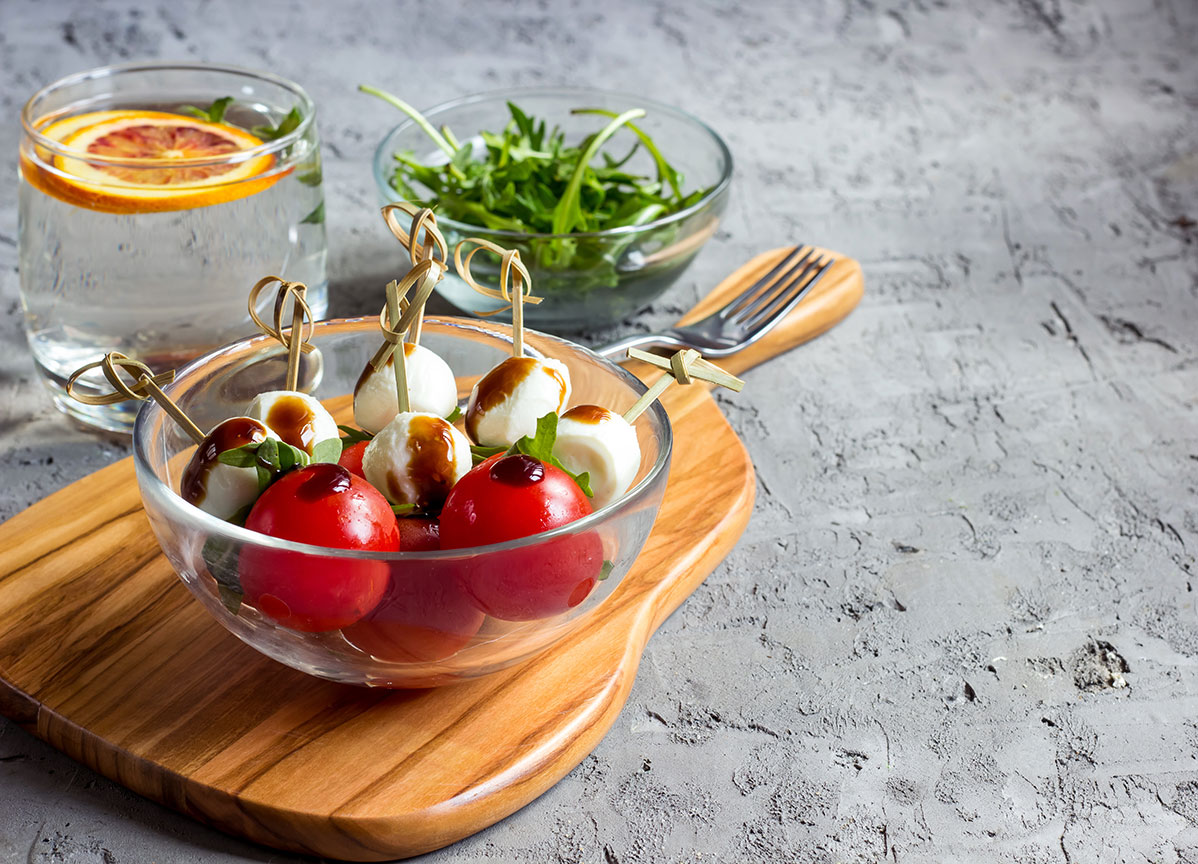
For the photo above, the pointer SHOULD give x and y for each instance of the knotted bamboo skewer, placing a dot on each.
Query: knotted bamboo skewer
(515, 284)
(682, 367)
(146, 386)
(295, 338)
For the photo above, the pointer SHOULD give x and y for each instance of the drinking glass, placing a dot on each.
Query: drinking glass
(126, 245)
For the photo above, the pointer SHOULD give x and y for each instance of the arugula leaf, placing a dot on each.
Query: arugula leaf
(455, 415)
(328, 450)
(214, 113)
(352, 436)
(540, 446)
(525, 178)
(287, 125)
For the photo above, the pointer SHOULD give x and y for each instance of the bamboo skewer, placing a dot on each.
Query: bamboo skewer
(515, 284)
(146, 386)
(682, 367)
(295, 338)
(402, 319)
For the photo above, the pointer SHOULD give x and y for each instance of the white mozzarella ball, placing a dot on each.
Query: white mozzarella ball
(603, 444)
(297, 418)
(432, 389)
(506, 403)
(416, 459)
(215, 487)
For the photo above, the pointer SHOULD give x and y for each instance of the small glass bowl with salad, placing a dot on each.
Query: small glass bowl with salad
(607, 196)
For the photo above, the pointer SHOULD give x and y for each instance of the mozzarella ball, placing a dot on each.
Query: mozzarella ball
(432, 389)
(603, 444)
(296, 418)
(506, 403)
(416, 459)
(215, 487)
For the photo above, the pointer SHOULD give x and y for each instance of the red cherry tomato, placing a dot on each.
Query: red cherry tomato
(425, 615)
(351, 458)
(418, 534)
(323, 505)
(508, 497)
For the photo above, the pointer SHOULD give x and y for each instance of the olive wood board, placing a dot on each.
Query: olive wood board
(105, 655)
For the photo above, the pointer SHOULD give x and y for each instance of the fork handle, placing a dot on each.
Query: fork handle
(618, 350)
(829, 303)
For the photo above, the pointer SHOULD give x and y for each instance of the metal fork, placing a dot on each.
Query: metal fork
(745, 319)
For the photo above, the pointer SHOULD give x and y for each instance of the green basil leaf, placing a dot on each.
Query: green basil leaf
(540, 446)
(220, 557)
(455, 415)
(268, 454)
(605, 570)
(241, 515)
(583, 480)
(352, 436)
(288, 124)
(240, 457)
(328, 450)
(315, 217)
(265, 476)
(230, 598)
(403, 509)
(479, 453)
(214, 113)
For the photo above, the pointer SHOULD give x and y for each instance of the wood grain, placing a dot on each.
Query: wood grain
(105, 655)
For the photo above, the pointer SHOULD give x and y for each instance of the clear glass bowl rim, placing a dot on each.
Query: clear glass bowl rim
(267, 148)
(382, 158)
(181, 511)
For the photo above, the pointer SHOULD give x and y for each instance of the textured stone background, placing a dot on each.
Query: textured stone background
(960, 626)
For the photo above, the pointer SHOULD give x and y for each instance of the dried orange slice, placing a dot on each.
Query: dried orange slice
(188, 163)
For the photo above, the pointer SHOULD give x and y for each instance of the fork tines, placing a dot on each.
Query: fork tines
(776, 293)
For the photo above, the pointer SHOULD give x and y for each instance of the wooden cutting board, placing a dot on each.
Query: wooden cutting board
(105, 655)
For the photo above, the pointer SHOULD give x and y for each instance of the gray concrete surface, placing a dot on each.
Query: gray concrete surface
(961, 624)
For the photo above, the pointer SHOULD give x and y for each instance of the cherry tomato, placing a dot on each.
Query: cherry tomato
(425, 615)
(419, 534)
(351, 458)
(324, 505)
(508, 497)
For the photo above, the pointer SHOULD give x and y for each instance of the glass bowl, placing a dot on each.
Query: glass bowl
(430, 626)
(612, 273)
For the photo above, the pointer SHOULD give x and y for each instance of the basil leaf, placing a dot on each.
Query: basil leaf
(268, 454)
(455, 415)
(403, 509)
(214, 113)
(288, 124)
(241, 457)
(230, 598)
(315, 217)
(605, 570)
(328, 450)
(353, 436)
(220, 557)
(540, 446)
(479, 453)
